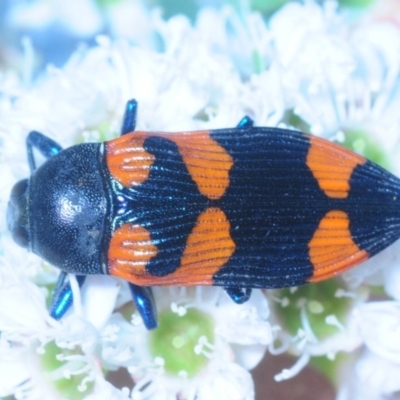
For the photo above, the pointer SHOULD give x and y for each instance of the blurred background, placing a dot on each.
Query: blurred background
(57, 28)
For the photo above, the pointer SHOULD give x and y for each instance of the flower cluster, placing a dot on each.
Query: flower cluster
(306, 67)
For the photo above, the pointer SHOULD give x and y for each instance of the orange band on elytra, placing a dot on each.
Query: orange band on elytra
(207, 162)
(129, 251)
(127, 161)
(209, 246)
(332, 249)
(332, 166)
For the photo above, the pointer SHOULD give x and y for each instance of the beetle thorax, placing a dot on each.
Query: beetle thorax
(68, 205)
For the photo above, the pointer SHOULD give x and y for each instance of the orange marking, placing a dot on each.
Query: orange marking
(208, 248)
(130, 250)
(332, 166)
(332, 249)
(208, 163)
(127, 161)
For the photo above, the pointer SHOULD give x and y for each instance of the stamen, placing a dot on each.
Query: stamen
(136, 319)
(82, 387)
(294, 370)
(201, 344)
(332, 320)
(340, 293)
(305, 322)
(181, 310)
(284, 301)
(110, 333)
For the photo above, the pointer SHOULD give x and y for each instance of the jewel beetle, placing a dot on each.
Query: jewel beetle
(241, 208)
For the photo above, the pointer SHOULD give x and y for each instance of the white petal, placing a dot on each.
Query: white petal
(245, 323)
(380, 328)
(98, 295)
(13, 369)
(371, 270)
(22, 308)
(249, 356)
(369, 378)
(230, 383)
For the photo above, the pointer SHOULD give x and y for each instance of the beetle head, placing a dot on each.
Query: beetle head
(17, 213)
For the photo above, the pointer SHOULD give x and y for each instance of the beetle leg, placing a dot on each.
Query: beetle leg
(129, 121)
(238, 295)
(246, 122)
(144, 301)
(47, 147)
(62, 296)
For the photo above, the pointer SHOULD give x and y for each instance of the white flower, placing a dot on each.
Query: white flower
(236, 330)
(335, 75)
(343, 82)
(38, 353)
(316, 321)
(85, 101)
(307, 63)
(375, 374)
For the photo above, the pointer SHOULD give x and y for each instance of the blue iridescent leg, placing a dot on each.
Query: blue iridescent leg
(238, 295)
(129, 121)
(144, 301)
(62, 296)
(47, 147)
(246, 122)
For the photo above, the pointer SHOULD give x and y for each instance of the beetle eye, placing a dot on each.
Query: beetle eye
(17, 214)
(19, 188)
(20, 237)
